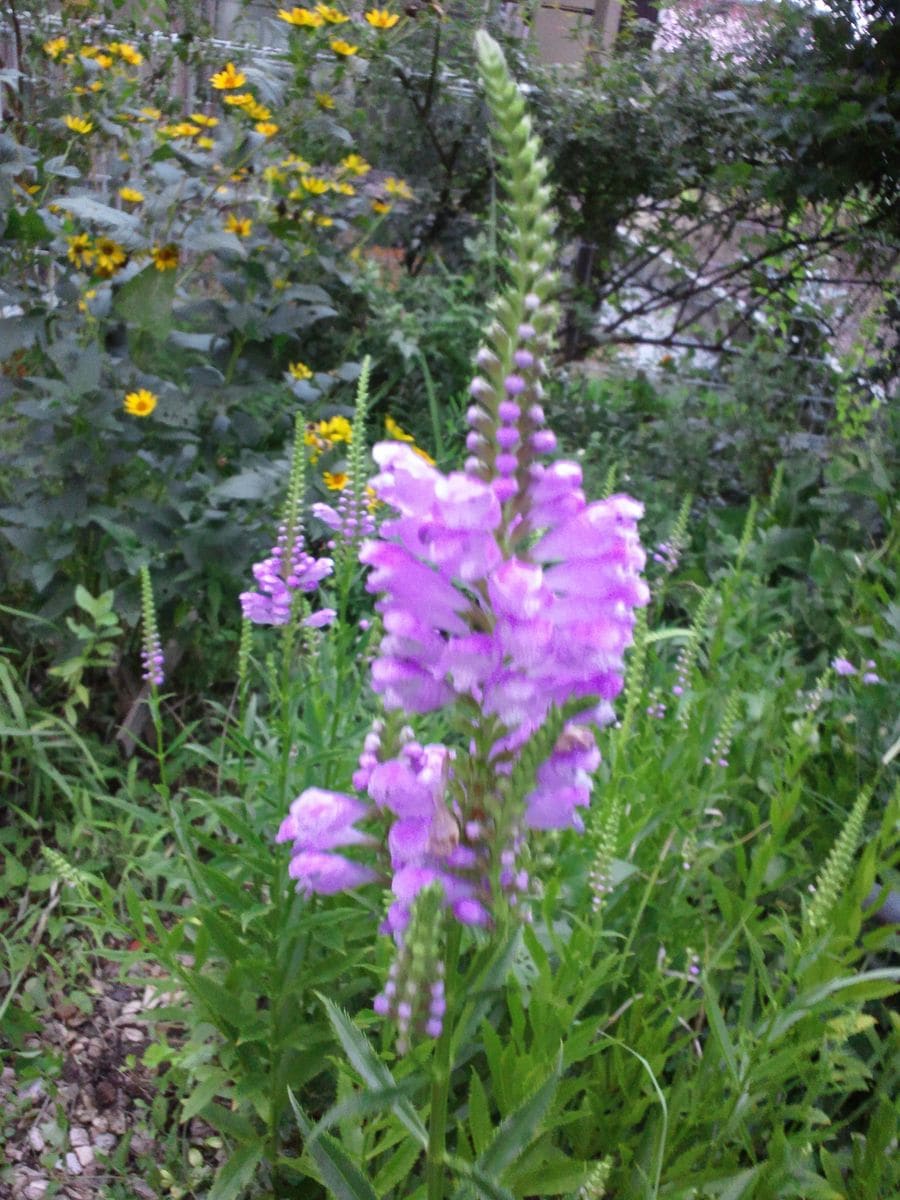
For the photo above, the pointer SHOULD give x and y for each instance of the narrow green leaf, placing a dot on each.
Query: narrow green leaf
(370, 1068)
(342, 1177)
(720, 1031)
(215, 1084)
(476, 1183)
(361, 1105)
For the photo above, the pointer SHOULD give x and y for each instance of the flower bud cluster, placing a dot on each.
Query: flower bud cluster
(718, 752)
(152, 659)
(414, 994)
(351, 518)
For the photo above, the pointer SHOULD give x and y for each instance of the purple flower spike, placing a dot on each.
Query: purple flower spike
(514, 385)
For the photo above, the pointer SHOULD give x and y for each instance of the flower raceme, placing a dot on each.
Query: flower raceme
(507, 601)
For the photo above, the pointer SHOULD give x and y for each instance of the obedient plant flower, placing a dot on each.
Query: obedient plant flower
(290, 571)
(152, 659)
(507, 601)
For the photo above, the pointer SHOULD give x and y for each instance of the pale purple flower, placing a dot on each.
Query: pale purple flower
(319, 821)
(153, 661)
(279, 579)
(843, 666)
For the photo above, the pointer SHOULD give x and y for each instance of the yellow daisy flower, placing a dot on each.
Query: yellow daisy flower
(395, 431)
(344, 189)
(397, 187)
(229, 77)
(381, 207)
(335, 481)
(301, 17)
(103, 60)
(342, 48)
(182, 129)
(90, 294)
(400, 435)
(324, 100)
(333, 16)
(140, 403)
(78, 124)
(126, 52)
(241, 226)
(266, 128)
(165, 258)
(336, 429)
(241, 100)
(295, 163)
(299, 370)
(110, 256)
(204, 121)
(131, 195)
(380, 18)
(55, 46)
(79, 252)
(314, 185)
(356, 165)
(204, 143)
(150, 114)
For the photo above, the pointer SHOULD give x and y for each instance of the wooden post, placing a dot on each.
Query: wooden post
(605, 26)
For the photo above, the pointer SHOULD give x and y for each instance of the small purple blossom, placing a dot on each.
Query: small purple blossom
(280, 576)
(843, 666)
(153, 662)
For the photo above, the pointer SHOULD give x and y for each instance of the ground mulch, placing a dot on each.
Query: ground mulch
(74, 1132)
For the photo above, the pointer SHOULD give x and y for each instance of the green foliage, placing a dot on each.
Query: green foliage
(678, 1018)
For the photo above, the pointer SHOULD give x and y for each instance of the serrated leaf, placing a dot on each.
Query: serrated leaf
(339, 1174)
(370, 1068)
(518, 1129)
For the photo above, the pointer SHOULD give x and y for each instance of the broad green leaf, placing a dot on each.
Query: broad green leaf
(101, 214)
(340, 1175)
(145, 302)
(27, 227)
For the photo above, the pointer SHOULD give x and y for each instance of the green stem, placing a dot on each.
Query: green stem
(442, 1066)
